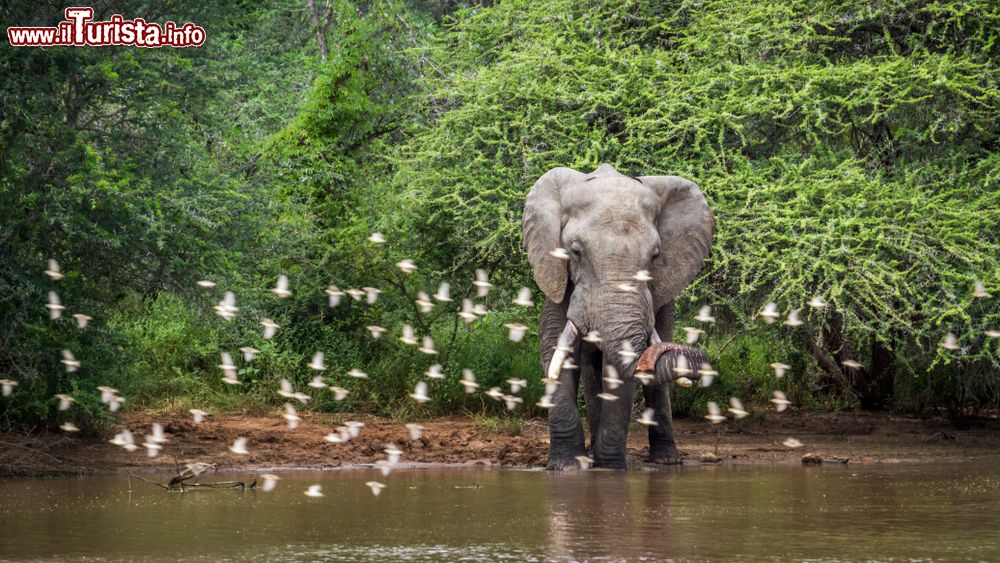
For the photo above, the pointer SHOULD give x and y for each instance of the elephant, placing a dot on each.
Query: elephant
(587, 236)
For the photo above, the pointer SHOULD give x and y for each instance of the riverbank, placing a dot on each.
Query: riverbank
(857, 437)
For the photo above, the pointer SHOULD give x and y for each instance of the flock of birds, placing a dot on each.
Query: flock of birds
(469, 312)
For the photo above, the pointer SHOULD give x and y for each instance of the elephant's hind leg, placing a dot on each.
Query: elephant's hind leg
(662, 448)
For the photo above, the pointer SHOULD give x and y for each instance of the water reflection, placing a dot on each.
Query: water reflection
(724, 513)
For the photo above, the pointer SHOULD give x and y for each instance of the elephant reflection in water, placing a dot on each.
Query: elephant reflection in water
(629, 246)
(598, 514)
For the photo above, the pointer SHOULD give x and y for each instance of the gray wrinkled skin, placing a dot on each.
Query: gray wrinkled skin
(612, 226)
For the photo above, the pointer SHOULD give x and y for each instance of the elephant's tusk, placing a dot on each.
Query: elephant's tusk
(565, 346)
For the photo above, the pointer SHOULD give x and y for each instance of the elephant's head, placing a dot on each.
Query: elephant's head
(613, 226)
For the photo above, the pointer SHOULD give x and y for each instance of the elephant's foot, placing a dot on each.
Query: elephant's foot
(610, 461)
(665, 455)
(563, 463)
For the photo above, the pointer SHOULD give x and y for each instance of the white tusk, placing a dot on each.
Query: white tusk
(566, 345)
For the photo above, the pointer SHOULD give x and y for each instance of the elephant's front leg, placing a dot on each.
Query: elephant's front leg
(662, 448)
(565, 425)
(592, 374)
(612, 434)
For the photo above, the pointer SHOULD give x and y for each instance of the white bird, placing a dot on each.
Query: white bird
(107, 393)
(340, 437)
(317, 382)
(569, 364)
(357, 374)
(443, 292)
(156, 434)
(376, 238)
(70, 361)
(376, 487)
(644, 377)
(125, 440)
(792, 443)
(115, 403)
(434, 372)
(7, 386)
(314, 491)
(584, 461)
(516, 331)
(793, 318)
(769, 313)
(207, 284)
(482, 283)
(281, 288)
(229, 369)
(684, 382)
(408, 337)
(227, 308)
(335, 294)
(416, 431)
(817, 302)
(647, 418)
(852, 364)
(469, 380)
(950, 342)
(626, 353)
(707, 374)
(317, 362)
(593, 337)
(629, 287)
(980, 290)
(270, 482)
(285, 388)
(292, 416)
(516, 384)
(468, 312)
(356, 294)
(239, 446)
(495, 393)
(354, 428)
(54, 306)
(511, 401)
(560, 253)
(693, 334)
(376, 331)
(339, 393)
(479, 309)
(524, 298)
(545, 402)
(393, 453)
(384, 467)
(407, 266)
(736, 407)
(420, 392)
(69, 427)
(65, 401)
(82, 320)
(705, 315)
(780, 401)
(199, 415)
(780, 369)
(428, 346)
(714, 415)
(611, 377)
(249, 353)
(424, 302)
(681, 366)
(642, 276)
(607, 396)
(992, 333)
(53, 271)
(371, 294)
(270, 328)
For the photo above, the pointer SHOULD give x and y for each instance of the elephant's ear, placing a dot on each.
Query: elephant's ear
(541, 228)
(686, 227)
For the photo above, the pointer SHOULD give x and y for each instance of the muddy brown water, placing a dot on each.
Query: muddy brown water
(880, 512)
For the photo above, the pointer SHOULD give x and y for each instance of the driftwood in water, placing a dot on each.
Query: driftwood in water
(179, 482)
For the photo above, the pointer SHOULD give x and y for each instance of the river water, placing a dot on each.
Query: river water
(883, 512)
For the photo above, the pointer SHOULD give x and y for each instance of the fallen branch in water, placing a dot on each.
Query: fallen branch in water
(179, 482)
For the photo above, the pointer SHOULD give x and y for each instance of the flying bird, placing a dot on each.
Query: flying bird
(317, 362)
(443, 293)
(69, 427)
(434, 372)
(54, 306)
(516, 384)
(511, 401)
(376, 238)
(356, 294)
(317, 382)
(647, 418)
(482, 283)
(611, 377)
(424, 302)
(239, 446)
(681, 366)
(980, 290)
(793, 318)
(376, 487)
(314, 491)
(357, 374)
(607, 396)
(817, 302)
(249, 353)
(199, 415)
(70, 361)
(626, 353)
(468, 311)
(270, 328)
(545, 402)
(270, 482)
(950, 342)
(707, 374)
(292, 416)
(408, 337)
(281, 288)
(376, 331)
(495, 393)
(593, 337)
(335, 294)
(851, 364)
(82, 320)
(415, 430)
(584, 461)
(393, 453)
(769, 313)
(428, 346)
(736, 407)
(714, 415)
(207, 284)
(693, 334)
(469, 380)
(684, 382)
(516, 331)
(642, 276)
(228, 369)
(780, 369)
(53, 271)
(65, 401)
(7, 386)
(406, 266)
(227, 308)
(339, 393)
(524, 298)
(792, 443)
(371, 294)
(780, 401)
(559, 253)
(420, 393)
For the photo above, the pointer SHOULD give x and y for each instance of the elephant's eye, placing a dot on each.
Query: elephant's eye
(575, 247)
(656, 252)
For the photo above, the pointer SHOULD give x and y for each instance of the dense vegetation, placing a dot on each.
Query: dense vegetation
(849, 150)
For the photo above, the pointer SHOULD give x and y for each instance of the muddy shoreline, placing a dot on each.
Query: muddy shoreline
(857, 437)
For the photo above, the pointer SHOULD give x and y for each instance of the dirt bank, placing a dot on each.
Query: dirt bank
(859, 437)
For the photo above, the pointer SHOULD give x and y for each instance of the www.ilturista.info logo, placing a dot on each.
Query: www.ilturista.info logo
(78, 30)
